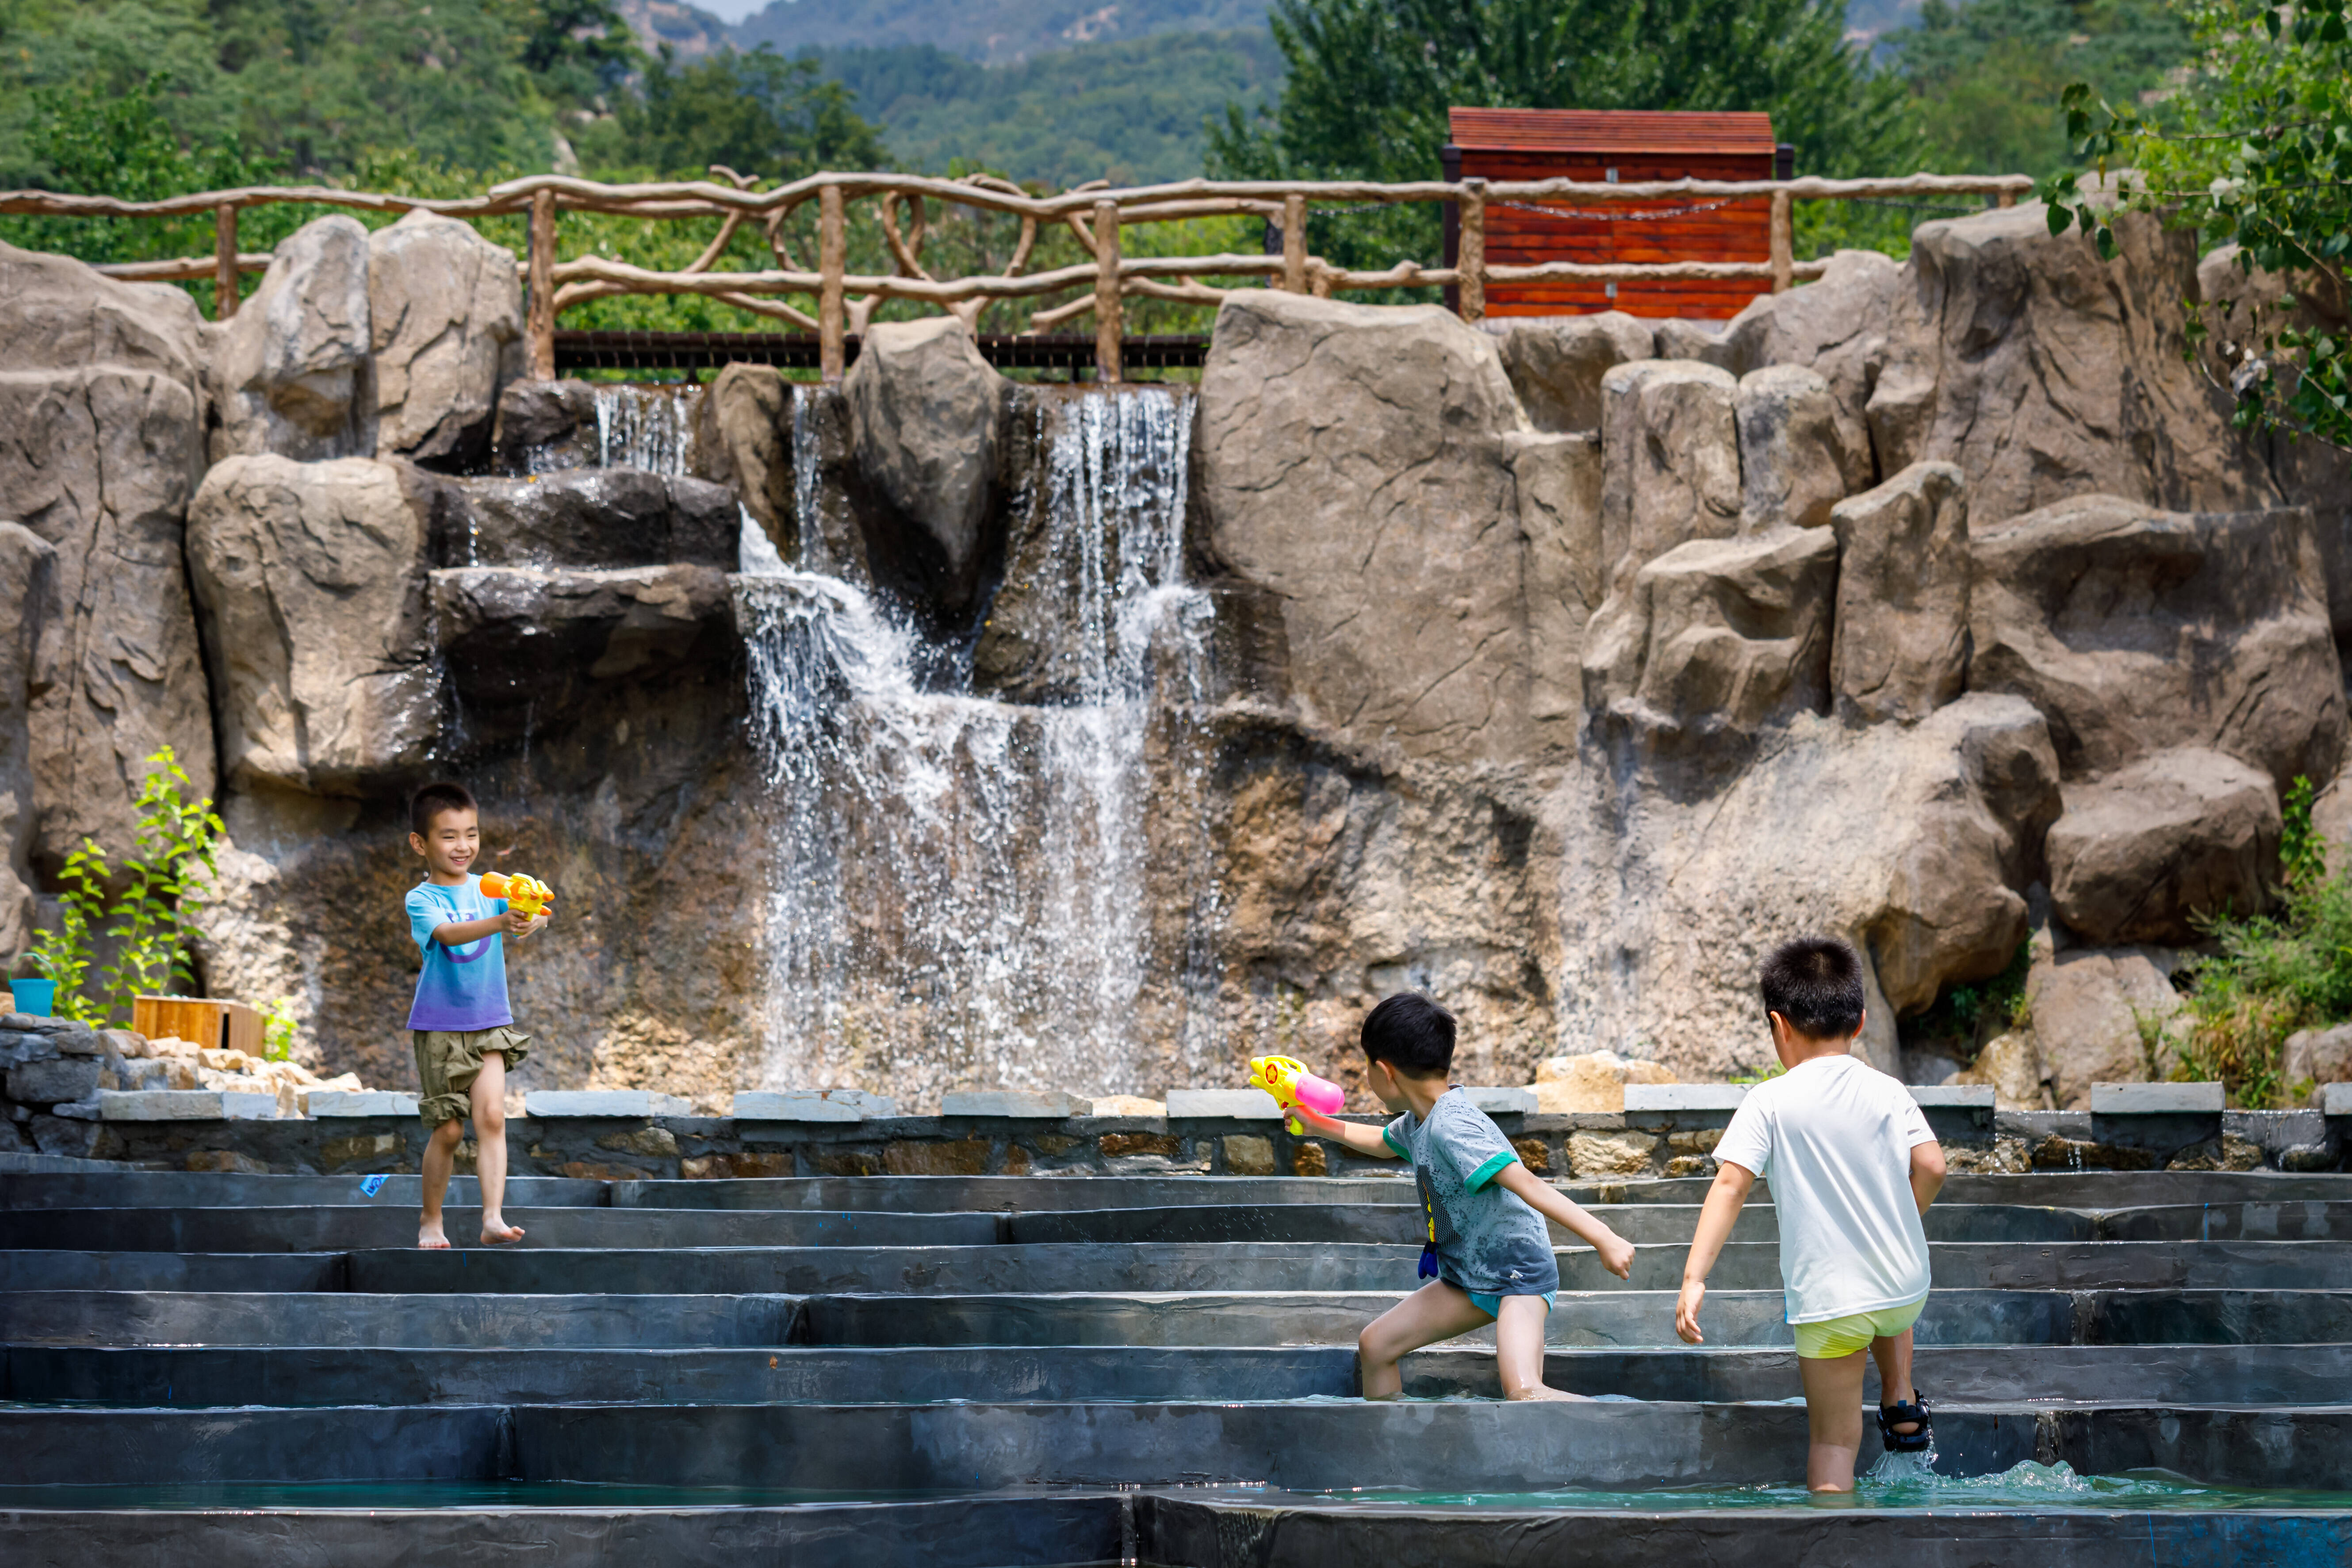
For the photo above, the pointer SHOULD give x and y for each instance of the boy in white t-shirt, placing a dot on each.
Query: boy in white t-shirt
(1852, 1168)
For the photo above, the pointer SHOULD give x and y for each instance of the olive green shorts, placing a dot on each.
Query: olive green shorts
(449, 1060)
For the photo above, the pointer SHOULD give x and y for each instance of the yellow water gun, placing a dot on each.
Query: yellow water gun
(1292, 1086)
(525, 894)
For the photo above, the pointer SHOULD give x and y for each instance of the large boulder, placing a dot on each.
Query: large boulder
(1714, 641)
(1792, 464)
(743, 432)
(1902, 646)
(29, 627)
(2099, 1017)
(312, 578)
(1555, 364)
(1352, 465)
(1913, 841)
(2136, 631)
(925, 412)
(444, 309)
(1835, 326)
(2317, 1056)
(1669, 460)
(1557, 477)
(2143, 852)
(585, 517)
(101, 444)
(292, 369)
(1591, 1083)
(2045, 372)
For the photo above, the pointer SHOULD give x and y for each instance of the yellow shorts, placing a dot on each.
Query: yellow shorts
(1838, 1337)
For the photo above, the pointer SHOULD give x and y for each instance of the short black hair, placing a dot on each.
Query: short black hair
(1412, 1034)
(446, 794)
(1815, 983)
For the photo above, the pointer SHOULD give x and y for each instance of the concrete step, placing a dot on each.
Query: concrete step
(124, 1187)
(1443, 1446)
(2058, 1376)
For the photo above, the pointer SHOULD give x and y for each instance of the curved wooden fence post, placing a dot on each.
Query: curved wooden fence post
(1471, 258)
(540, 327)
(1294, 244)
(1107, 325)
(1784, 243)
(832, 263)
(225, 284)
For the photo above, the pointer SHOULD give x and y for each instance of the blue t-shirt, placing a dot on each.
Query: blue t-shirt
(1487, 1241)
(463, 988)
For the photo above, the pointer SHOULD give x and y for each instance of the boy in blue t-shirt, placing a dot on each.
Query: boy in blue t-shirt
(460, 1026)
(1483, 1212)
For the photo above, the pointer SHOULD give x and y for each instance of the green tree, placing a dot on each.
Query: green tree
(757, 114)
(1371, 81)
(2259, 155)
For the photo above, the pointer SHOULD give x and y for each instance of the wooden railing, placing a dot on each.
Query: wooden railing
(1094, 215)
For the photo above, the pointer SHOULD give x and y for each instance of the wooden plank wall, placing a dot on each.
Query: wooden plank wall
(1741, 231)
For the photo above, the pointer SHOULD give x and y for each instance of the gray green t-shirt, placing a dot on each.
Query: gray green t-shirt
(1487, 1241)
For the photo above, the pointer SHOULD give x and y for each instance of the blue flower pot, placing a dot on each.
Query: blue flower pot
(35, 996)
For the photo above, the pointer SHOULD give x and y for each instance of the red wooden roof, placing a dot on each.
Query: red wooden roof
(1609, 131)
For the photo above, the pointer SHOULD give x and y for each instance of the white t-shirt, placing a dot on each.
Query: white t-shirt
(1834, 1139)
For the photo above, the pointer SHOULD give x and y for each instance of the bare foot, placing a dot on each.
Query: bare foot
(496, 1230)
(1542, 1392)
(429, 1237)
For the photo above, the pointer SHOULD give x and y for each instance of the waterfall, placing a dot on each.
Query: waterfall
(966, 891)
(648, 427)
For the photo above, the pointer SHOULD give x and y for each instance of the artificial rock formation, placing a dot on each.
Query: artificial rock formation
(2136, 630)
(1793, 465)
(1670, 460)
(924, 411)
(2098, 1015)
(101, 444)
(2141, 854)
(1555, 364)
(29, 627)
(292, 367)
(312, 579)
(607, 517)
(1902, 647)
(444, 313)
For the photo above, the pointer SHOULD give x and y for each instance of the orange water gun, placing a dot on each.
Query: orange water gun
(1292, 1086)
(525, 894)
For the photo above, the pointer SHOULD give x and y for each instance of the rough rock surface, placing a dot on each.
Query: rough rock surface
(1902, 643)
(585, 517)
(445, 308)
(743, 429)
(1909, 839)
(2096, 1013)
(2012, 1067)
(925, 412)
(2141, 853)
(2320, 1055)
(2136, 630)
(1714, 641)
(1559, 481)
(292, 368)
(1352, 465)
(1836, 326)
(1793, 465)
(1556, 364)
(1593, 1081)
(101, 444)
(1670, 460)
(30, 625)
(310, 578)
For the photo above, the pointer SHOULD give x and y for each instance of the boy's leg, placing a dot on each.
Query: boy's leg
(440, 1155)
(1519, 1348)
(488, 1095)
(1893, 1354)
(1833, 1414)
(1435, 1312)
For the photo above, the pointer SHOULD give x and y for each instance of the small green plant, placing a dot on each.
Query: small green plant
(146, 908)
(2303, 851)
(279, 1025)
(1760, 1075)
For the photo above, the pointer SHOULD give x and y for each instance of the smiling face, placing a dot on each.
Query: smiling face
(450, 845)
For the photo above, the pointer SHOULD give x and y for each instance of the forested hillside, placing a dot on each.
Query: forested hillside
(991, 32)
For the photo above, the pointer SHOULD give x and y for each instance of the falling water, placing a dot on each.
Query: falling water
(964, 889)
(646, 427)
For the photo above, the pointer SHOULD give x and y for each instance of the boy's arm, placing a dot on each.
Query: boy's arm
(1616, 1252)
(458, 934)
(1724, 1201)
(1927, 1172)
(1363, 1140)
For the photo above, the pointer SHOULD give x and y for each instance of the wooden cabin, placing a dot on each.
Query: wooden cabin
(1614, 146)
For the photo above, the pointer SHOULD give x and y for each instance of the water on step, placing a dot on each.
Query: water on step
(648, 427)
(971, 891)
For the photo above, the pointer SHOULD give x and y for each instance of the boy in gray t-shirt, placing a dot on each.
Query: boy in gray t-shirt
(1485, 1252)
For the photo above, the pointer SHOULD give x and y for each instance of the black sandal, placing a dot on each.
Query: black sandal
(1912, 1412)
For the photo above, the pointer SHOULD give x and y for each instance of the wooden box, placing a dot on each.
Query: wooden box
(1618, 147)
(230, 1026)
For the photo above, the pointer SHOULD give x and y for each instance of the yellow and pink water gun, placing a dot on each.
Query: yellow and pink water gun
(525, 894)
(1292, 1086)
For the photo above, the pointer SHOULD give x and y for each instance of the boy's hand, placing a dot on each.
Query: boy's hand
(516, 925)
(1616, 1255)
(1686, 1312)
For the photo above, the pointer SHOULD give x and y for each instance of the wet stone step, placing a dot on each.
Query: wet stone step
(341, 1317)
(1449, 1446)
(64, 1270)
(2051, 1376)
(191, 1189)
(317, 1229)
